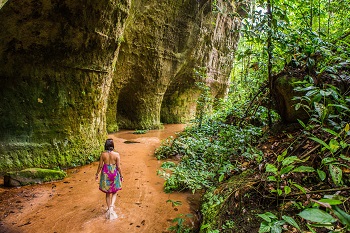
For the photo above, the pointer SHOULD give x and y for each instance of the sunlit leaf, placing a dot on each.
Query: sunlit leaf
(221, 178)
(271, 168)
(301, 188)
(316, 215)
(320, 141)
(304, 169)
(289, 160)
(291, 221)
(333, 145)
(287, 169)
(347, 127)
(336, 174)
(328, 160)
(331, 201)
(287, 190)
(331, 131)
(267, 216)
(321, 174)
(264, 227)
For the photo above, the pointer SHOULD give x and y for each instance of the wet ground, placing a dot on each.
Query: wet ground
(76, 205)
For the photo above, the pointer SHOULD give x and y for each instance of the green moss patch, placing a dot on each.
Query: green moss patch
(32, 176)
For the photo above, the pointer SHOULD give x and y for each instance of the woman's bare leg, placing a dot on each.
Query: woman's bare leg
(108, 200)
(114, 197)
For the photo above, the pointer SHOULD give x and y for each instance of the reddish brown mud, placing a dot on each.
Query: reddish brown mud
(76, 205)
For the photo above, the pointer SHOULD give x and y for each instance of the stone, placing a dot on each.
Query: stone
(285, 105)
(32, 176)
(72, 71)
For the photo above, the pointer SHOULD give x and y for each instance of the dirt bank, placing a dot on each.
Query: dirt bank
(76, 205)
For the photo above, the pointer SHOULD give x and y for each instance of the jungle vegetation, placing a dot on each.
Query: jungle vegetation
(258, 172)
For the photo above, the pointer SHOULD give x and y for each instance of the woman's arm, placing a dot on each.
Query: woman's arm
(99, 167)
(118, 166)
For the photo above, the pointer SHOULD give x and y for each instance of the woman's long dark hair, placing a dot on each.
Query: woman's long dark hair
(109, 145)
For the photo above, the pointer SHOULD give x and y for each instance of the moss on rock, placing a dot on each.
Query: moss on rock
(32, 176)
(284, 93)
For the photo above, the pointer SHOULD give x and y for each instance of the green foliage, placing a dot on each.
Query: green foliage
(317, 217)
(180, 226)
(326, 105)
(140, 131)
(174, 203)
(270, 223)
(207, 154)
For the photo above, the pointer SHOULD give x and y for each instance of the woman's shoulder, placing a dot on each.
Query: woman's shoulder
(115, 153)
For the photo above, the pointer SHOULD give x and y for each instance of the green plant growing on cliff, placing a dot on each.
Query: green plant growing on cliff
(204, 100)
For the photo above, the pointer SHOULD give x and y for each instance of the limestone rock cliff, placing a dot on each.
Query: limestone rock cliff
(163, 43)
(71, 69)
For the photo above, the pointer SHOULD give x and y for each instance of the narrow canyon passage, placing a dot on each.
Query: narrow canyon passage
(76, 205)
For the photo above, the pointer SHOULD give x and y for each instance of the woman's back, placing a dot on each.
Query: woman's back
(110, 157)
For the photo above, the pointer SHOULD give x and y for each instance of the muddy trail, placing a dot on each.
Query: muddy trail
(76, 205)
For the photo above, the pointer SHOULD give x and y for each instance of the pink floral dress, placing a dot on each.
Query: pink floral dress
(110, 179)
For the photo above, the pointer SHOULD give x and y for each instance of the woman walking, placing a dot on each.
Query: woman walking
(110, 177)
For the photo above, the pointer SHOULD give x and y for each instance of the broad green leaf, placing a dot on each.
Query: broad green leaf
(321, 174)
(320, 109)
(317, 216)
(279, 192)
(289, 160)
(344, 157)
(271, 168)
(320, 141)
(276, 228)
(301, 123)
(304, 169)
(343, 216)
(336, 174)
(339, 106)
(301, 188)
(271, 215)
(281, 156)
(287, 190)
(271, 178)
(264, 227)
(325, 93)
(331, 201)
(291, 221)
(267, 216)
(343, 144)
(221, 178)
(331, 131)
(333, 145)
(328, 160)
(287, 169)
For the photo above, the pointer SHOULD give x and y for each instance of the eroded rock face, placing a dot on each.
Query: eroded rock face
(56, 59)
(162, 45)
(62, 62)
